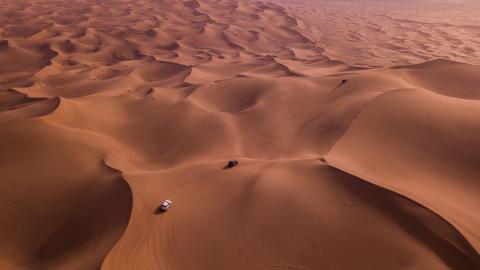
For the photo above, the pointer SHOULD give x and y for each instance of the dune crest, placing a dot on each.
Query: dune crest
(109, 107)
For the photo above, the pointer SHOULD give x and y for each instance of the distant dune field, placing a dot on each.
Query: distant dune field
(107, 108)
(376, 33)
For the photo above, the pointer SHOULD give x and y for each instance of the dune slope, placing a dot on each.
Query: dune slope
(109, 107)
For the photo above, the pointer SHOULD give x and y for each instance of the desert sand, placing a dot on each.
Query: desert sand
(109, 107)
(378, 33)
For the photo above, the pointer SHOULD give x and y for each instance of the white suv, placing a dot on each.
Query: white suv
(165, 205)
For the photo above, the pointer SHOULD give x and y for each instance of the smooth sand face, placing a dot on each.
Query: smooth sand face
(109, 107)
(374, 33)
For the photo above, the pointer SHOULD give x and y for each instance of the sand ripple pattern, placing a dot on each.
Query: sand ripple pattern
(384, 33)
(109, 107)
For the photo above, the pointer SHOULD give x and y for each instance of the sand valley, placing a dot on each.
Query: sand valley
(357, 135)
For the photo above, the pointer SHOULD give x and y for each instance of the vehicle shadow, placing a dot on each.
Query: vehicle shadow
(342, 82)
(158, 211)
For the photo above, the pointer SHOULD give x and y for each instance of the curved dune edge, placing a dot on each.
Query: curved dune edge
(272, 186)
(412, 107)
(453, 243)
(106, 113)
(65, 210)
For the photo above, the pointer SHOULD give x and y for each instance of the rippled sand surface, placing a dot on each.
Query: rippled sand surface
(380, 33)
(107, 108)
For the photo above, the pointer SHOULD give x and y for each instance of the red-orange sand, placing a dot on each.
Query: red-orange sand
(377, 33)
(109, 107)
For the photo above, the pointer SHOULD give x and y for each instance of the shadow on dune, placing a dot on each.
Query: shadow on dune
(420, 222)
(94, 226)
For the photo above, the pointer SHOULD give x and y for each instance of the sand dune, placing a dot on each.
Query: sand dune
(109, 107)
(412, 162)
(375, 33)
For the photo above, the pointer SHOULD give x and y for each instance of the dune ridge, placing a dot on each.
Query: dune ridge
(107, 108)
